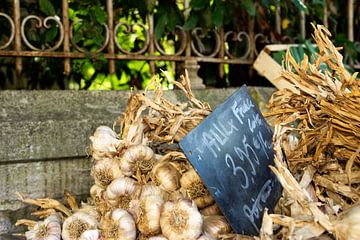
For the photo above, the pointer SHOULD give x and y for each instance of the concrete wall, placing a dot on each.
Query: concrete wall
(44, 136)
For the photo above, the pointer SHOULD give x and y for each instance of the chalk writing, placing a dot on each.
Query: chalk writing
(253, 212)
(239, 110)
(235, 170)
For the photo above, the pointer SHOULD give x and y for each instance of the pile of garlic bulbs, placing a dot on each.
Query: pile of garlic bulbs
(144, 187)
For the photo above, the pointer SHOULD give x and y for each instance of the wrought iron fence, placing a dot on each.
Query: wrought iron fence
(189, 50)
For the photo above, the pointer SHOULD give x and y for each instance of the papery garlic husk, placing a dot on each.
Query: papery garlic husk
(181, 220)
(148, 221)
(194, 188)
(166, 176)
(104, 143)
(98, 195)
(91, 235)
(49, 229)
(347, 227)
(211, 210)
(137, 158)
(121, 191)
(215, 225)
(76, 224)
(89, 209)
(105, 171)
(120, 226)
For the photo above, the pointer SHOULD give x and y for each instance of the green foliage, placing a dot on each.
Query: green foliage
(46, 7)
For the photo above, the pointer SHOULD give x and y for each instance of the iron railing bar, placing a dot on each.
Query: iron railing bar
(18, 60)
(6, 53)
(111, 47)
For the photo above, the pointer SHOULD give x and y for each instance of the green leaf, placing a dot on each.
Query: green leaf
(46, 7)
(100, 15)
(191, 22)
(301, 6)
(249, 6)
(51, 33)
(160, 26)
(199, 4)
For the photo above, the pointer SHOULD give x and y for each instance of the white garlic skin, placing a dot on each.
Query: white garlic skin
(151, 189)
(206, 237)
(347, 227)
(122, 186)
(91, 235)
(181, 220)
(133, 155)
(149, 222)
(104, 143)
(105, 171)
(215, 225)
(52, 227)
(126, 224)
(87, 221)
(167, 176)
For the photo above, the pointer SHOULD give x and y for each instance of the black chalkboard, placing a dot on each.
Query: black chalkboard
(231, 150)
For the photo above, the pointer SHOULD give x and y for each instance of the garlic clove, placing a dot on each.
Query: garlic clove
(121, 191)
(105, 171)
(91, 235)
(149, 219)
(206, 237)
(194, 189)
(158, 237)
(211, 210)
(121, 226)
(151, 189)
(215, 225)
(181, 220)
(104, 143)
(76, 224)
(347, 227)
(137, 157)
(166, 176)
(49, 229)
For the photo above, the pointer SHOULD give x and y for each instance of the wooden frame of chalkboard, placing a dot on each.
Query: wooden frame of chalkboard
(231, 150)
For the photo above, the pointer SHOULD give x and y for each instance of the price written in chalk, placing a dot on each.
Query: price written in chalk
(231, 150)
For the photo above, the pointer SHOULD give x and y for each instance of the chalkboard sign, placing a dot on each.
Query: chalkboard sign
(231, 150)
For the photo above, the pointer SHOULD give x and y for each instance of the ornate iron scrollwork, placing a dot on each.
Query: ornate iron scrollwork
(197, 45)
(44, 24)
(180, 32)
(12, 30)
(239, 37)
(77, 47)
(129, 28)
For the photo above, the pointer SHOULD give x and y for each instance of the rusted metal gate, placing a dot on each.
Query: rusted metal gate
(18, 46)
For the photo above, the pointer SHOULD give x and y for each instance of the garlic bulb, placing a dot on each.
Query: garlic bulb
(49, 229)
(121, 191)
(181, 220)
(211, 210)
(137, 158)
(89, 209)
(76, 224)
(166, 176)
(149, 218)
(90, 235)
(347, 227)
(105, 171)
(194, 188)
(121, 226)
(104, 143)
(96, 192)
(216, 225)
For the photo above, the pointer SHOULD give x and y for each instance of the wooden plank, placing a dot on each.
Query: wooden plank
(43, 179)
(271, 70)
